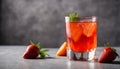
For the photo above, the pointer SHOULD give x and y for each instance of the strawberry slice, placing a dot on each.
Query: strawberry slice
(107, 55)
(89, 28)
(76, 30)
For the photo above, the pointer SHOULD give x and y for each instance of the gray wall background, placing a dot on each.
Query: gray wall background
(43, 20)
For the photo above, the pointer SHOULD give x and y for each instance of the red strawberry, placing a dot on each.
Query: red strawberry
(107, 55)
(33, 50)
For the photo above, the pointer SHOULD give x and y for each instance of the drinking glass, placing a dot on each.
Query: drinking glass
(81, 37)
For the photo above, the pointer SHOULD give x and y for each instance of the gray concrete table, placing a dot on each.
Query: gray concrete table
(11, 58)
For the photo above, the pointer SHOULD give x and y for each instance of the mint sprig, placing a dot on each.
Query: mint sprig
(73, 17)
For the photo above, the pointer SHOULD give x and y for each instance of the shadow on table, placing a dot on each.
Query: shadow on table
(114, 62)
(46, 58)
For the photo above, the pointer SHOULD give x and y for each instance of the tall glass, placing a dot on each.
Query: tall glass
(81, 38)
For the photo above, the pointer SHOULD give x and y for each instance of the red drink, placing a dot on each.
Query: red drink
(82, 35)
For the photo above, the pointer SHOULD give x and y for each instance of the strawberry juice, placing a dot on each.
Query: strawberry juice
(81, 38)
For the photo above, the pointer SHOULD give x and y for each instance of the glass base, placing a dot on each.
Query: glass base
(81, 56)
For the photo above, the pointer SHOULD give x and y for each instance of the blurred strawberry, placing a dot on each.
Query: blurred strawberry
(107, 55)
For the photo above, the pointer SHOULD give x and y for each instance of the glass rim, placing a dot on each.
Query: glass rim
(88, 18)
(85, 16)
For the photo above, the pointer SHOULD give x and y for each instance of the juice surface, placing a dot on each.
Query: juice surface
(81, 36)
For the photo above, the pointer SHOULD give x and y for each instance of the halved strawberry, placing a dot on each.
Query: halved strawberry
(107, 55)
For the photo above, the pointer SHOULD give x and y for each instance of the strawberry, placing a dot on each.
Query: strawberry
(107, 55)
(33, 51)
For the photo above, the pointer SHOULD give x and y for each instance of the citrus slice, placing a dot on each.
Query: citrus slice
(62, 50)
(89, 28)
(76, 31)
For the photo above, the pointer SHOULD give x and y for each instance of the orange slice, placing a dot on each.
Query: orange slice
(62, 50)
(89, 28)
(76, 31)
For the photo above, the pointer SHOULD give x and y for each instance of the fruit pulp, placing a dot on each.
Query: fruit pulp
(81, 36)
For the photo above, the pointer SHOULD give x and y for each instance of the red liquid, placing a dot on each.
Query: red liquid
(81, 36)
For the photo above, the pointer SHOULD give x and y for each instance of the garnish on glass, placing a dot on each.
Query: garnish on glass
(73, 17)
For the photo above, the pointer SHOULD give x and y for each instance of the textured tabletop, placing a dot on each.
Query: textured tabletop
(11, 58)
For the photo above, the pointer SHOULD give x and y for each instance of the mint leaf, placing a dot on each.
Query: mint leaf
(44, 50)
(42, 54)
(70, 15)
(38, 46)
(76, 14)
(73, 17)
